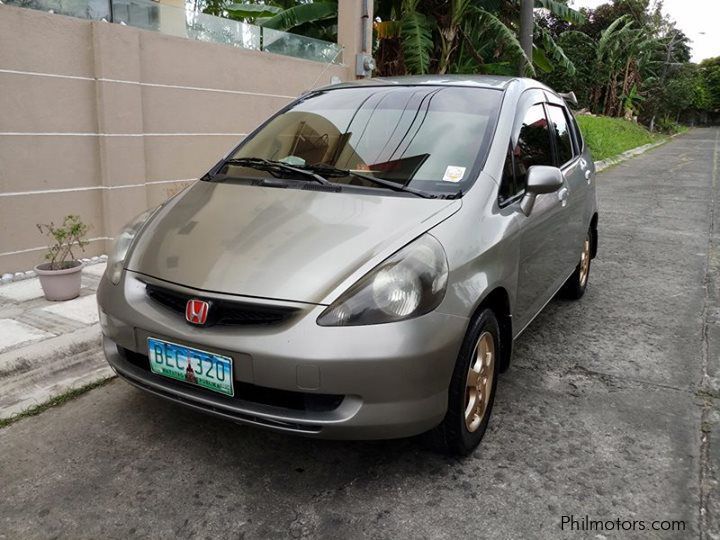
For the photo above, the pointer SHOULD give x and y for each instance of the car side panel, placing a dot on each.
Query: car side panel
(544, 242)
(590, 204)
(543, 256)
(574, 174)
(481, 244)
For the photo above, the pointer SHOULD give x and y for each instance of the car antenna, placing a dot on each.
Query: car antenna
(327, 65)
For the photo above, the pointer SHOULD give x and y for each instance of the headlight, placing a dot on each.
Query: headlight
(116, 260)
(408, 284)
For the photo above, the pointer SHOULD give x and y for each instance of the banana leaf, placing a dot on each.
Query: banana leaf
(301, 14)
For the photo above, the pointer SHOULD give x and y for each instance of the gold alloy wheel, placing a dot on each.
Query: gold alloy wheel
(479, 381)
(585, 261)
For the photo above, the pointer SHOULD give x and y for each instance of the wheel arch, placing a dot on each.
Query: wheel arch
(593, 235)
(498, 301)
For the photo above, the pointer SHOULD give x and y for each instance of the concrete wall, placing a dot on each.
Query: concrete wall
(104, 120)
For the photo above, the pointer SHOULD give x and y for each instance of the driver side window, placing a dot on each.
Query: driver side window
(533, 147)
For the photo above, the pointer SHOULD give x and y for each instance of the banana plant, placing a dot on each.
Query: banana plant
(251, 12)
(561, 10)
(551, 53)
(431, 36)
(314, 19)
(469, 35)
(301, 14)
(489, 46)
(416, 37)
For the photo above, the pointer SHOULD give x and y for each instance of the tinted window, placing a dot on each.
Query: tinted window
(508, 186)
(532, 148)
(578, 135)
(429, 137)
(563, 139)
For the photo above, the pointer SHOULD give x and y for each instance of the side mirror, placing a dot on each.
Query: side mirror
(540, 179)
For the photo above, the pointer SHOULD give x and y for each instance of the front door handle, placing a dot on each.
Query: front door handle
(588, 175)
(563, 196)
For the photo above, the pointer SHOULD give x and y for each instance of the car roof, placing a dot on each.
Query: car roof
(478, 81)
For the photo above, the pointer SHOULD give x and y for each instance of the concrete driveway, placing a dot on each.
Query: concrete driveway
(610, 411)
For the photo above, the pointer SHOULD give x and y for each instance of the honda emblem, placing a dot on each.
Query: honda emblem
(196, 311)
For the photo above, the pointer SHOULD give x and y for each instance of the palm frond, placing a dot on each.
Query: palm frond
(540, 60)
(301, 14)
(500, 68)
(561, 10)
(492, 6)
(416, 41)
(555, 51)
(387, 29)
(490, 29)
(609, 34)
(458, 10)
(579, 35)
(251, 11)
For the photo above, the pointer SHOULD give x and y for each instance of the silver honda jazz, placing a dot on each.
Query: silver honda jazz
(359, 266)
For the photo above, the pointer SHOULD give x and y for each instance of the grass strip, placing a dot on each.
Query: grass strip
(54, 402)
(607, 137)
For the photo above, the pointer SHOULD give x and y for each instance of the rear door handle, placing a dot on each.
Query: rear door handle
(563, 196)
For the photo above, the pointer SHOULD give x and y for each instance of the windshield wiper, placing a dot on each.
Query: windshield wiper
(333, 171)
(272, 165)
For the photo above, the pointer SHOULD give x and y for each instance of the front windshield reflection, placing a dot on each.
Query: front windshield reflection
(427, 137)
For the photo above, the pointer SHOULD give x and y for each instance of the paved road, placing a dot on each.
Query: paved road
(610, 410)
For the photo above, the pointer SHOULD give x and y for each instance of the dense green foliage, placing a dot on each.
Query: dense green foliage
(623, 59)
(710, 72)
(633, 61)
(316, 19)
(423, 36)
(608, 137)
(463, 36)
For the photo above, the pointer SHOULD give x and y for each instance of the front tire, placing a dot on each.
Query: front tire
(472, 389)
(574, 287)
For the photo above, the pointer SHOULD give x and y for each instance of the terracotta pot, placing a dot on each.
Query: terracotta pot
(60, 284)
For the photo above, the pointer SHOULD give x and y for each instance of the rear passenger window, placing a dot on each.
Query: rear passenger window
(563, 139)
(578, 135)
(532, 148)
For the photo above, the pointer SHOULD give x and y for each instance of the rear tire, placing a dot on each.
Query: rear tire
(470, 395)
(574, 287)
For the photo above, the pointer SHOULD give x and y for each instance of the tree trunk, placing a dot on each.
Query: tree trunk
(606, 101)
(526, 32)
(447, 46)
(625, 78)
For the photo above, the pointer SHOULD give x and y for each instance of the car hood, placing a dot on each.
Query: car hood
(285, 244)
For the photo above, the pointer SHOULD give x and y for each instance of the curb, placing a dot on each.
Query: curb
(36, 373)
(614, 160)
(10, 277)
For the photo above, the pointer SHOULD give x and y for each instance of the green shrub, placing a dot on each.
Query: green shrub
(64, 238)
(666, 125)
(607, 137)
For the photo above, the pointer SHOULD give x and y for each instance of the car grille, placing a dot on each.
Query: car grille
(246, 392)
(223, 312)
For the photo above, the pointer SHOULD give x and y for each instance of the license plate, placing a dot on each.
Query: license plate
(201, 368)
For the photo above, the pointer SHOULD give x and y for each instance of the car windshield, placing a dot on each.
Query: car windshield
(429, 138)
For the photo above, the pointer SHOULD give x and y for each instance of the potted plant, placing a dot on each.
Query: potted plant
(60, 277)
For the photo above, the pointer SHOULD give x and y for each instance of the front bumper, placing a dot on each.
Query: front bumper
(390, 380)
